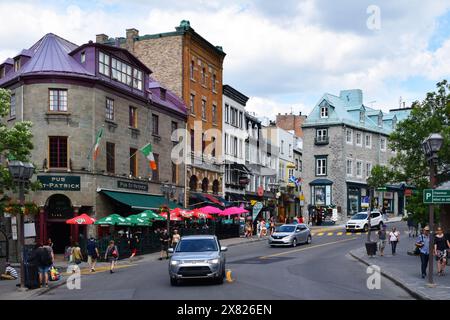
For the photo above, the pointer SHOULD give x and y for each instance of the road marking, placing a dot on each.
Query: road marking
(330, 233)
(97, 270)
(348, 233)
(340, 233)
(303, 249)
(320, 234)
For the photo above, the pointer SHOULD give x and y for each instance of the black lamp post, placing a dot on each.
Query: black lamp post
(21, 173)
(431, 147)
(168, 191)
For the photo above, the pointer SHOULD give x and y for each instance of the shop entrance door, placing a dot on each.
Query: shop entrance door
(59, 232)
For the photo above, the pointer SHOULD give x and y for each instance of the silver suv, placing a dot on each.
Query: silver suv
(290, 235)
(197, 257)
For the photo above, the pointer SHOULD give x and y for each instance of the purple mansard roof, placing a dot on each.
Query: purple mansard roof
(172, 101)
(50, 55)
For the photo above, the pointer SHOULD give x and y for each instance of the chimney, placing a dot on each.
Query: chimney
(101, 38)
(404, 104)
(131, 35)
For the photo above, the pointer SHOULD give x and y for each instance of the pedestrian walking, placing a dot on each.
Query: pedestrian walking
(175, 238)
(112, 254)
(394, 238)
(44, 260)
(263, 229)
(133, 243)
(423, 243)
(50, 243)
(301, 220)
(410, 223)
(77, 256)
(93, 254)
(272, 225)
(382, 234)
(441, 245)
(164, 240)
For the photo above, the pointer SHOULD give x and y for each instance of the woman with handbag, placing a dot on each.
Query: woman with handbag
(394, 238)
(112, 254)
(441, 244)
(77, 257)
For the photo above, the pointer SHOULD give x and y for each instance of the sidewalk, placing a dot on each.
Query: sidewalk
(9, 291)
(404, 270)
(325, 228)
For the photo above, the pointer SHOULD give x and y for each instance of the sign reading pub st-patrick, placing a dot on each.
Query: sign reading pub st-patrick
(61, 183)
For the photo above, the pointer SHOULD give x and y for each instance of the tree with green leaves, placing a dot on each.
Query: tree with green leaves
(15, 143)
(432, 115)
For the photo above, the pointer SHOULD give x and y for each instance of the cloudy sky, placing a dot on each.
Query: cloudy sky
(282, 54)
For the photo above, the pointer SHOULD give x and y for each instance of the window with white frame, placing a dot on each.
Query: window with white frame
(349, 136)
(359, 165)
(349, 167)
(321, 135)
(324, 112)
(359, 139)
(368, 169)
(290, 150)
(380, 120)
(362, 116)
(383, 144)
(227, 110)
(282, 147)
(321, 166)
(368, 141)
(103, 63)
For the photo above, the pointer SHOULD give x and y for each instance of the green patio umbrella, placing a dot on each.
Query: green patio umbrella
(139, 221)
(113, 220)
(149, 214)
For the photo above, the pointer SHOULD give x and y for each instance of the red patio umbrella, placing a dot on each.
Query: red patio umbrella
(233, 211)
(197, 213)
(173, 217)
(81, 219)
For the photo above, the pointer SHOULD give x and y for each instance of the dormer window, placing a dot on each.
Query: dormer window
(83, 57)
(394, 123)
(380, 120)
(163, 94)
(361, 116)
(16, 64)
(2, 72)
(324, 112)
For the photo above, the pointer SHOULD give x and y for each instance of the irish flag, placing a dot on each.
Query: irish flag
(97, 143)
(147, 150)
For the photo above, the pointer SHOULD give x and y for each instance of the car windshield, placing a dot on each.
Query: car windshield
(197, 245)
(359, 216)
(285, 229)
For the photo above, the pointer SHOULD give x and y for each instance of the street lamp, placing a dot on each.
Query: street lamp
(431, 147)
(168, 191)
(21, 173)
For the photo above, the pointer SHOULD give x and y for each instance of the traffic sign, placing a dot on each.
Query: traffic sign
(436, 196)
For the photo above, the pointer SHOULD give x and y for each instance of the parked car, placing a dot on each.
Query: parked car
(195, 257)
(290, 235)
(360, 221)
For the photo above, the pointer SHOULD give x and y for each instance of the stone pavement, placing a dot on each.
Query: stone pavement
(404, 270)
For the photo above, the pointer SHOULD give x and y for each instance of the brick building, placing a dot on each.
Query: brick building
(72, 93)
(191, 67)
(291, 122)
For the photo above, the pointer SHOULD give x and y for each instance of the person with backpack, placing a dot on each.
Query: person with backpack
(394, 238)
(45, 260)
(112, 254)
(92, 251)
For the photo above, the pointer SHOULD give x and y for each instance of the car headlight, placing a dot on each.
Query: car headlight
(174, 262)
(214, 261)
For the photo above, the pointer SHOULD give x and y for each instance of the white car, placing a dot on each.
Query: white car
(360, 221)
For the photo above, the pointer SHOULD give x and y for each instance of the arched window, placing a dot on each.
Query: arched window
(193, 183)
(205, 184)
(215, 187)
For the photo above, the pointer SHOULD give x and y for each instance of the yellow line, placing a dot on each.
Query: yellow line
(320, 234)
(339, 233)
(330, 233)
(303, 249)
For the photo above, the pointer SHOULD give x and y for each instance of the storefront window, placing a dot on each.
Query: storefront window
(353, 200)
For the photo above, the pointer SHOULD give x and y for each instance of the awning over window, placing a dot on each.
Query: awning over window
(206, 199)
(319, 182)
(240, 167)
(139, 200)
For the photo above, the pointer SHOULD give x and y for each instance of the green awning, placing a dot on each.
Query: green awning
(139, 200)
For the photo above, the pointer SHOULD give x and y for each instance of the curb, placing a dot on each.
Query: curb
(247, 241)
(399, 283)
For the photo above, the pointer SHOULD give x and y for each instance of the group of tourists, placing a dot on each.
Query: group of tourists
(440, 250)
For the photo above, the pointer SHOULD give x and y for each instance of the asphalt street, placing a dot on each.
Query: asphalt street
(321, 270)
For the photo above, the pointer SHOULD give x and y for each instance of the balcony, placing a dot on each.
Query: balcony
(321, 140)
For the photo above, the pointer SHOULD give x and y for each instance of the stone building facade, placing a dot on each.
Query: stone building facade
(192, 67)
(72, 94)
(343, 141)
